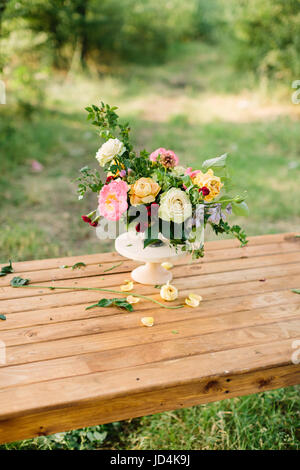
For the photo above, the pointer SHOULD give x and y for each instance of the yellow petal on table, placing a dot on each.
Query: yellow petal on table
(192, 302)
(126, 287)
(132, 300)
(168, 292)
(196, 297)
(147, 321)
(167, 265)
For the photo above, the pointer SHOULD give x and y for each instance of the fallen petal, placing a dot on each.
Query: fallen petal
(147, 321)
(167, 265)
(132, 300)
(195, 297)
(127, 287)
(192, 302)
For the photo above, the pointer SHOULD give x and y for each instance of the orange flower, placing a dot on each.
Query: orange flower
(143, 191)
(210, 181)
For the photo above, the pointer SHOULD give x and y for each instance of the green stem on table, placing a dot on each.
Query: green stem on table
(107, 290)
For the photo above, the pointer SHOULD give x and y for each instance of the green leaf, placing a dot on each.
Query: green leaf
(78, 265)
(100, 436)
(297, 291)
(2, 317)
(102, 303)
(19, 281)
(121, 303)
(6, 269)
(240, 208)
(218, 162)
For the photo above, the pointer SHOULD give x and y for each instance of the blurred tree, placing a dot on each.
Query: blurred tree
(3, 4)
(139, 30)
(266, 36)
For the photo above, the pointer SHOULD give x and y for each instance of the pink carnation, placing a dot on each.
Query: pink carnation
(113, 200)
(169, 154)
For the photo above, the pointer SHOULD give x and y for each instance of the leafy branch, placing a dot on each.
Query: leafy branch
(235, 230)
(88, 179)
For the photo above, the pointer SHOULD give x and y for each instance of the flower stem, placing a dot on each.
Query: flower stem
(106, 290)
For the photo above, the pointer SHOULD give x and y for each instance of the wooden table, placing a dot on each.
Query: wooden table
(67, 367)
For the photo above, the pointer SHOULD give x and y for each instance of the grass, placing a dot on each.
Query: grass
(197, 105)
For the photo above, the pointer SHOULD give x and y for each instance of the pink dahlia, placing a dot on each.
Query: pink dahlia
(167, 157)
(113, 200)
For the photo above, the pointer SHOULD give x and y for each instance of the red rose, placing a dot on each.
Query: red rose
(205, 191)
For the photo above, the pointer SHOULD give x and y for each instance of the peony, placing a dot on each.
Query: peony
(143, 191)
(109, 150)
(175, 206)
(113, 200)
(167, 157)
(210, 181)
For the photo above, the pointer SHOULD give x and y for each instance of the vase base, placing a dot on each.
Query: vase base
(151, 274)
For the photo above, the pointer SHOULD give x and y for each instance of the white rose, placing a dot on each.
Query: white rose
(168, 292)
(175, 205)
(109, 150)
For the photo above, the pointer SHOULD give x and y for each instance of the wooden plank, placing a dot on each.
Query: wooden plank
(94, 269)
(52, 299)
(117, 323)
(239, 266)
(105, 397)
(239, 330)
(35, 265)
(78, 312)
(98, 342)
(105, 411)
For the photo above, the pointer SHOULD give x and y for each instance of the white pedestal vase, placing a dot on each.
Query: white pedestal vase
(131, 245)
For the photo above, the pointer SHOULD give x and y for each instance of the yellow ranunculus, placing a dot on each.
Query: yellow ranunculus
(143, 191)
(210, 181)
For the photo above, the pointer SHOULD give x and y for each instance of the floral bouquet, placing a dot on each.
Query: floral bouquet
(153, 194)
